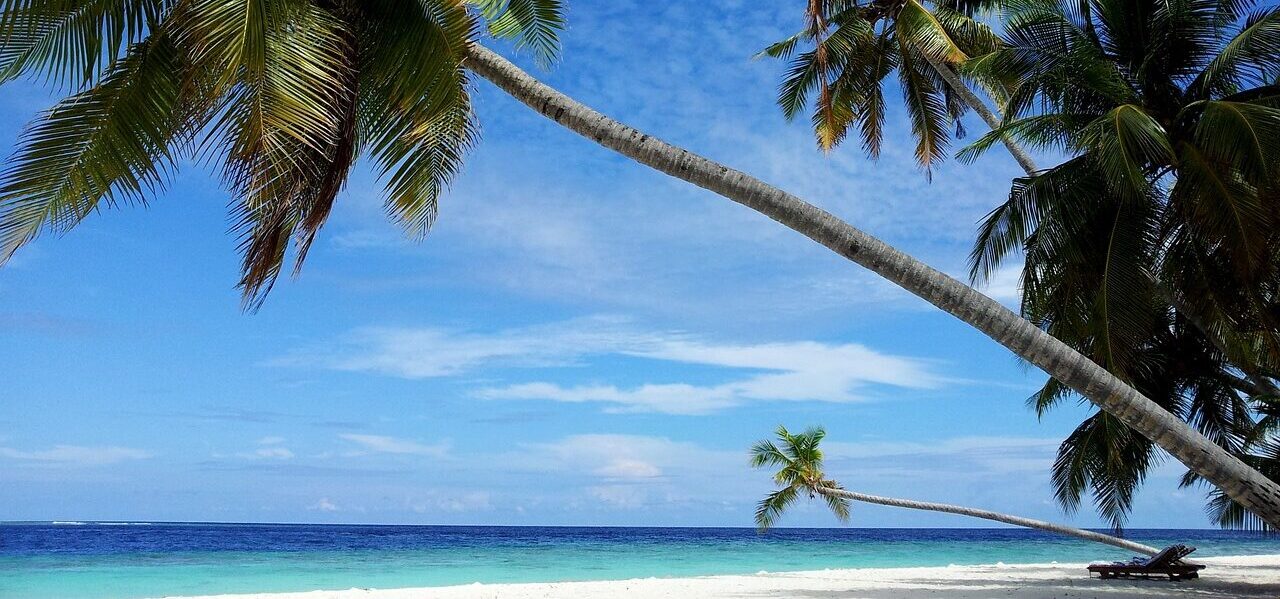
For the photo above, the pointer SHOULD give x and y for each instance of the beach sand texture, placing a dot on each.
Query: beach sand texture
(1246, 577)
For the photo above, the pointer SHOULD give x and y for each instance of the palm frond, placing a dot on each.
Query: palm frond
(839, 506)
(922, 29)
(71, 42)
(926, 107)
(771, 508)
(765, 453)
(1254, 50)
(535, 24)
(111, 144)
(285, 117)
(1103, 456)
(1125, 141)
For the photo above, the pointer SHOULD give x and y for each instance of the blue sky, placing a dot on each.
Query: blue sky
(578, 341)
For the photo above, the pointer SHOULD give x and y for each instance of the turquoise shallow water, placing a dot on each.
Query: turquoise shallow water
(98, 561)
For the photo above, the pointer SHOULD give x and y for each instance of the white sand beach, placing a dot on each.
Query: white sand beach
(1244, 577)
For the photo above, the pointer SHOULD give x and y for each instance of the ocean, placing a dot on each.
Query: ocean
(100, 560)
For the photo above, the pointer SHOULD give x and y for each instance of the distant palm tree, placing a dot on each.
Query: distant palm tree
(1155, 248)
(286, 94)
(799, 464)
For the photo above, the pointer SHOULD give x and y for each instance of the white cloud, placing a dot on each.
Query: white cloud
(1005, 285)
(777, 371)
(77, 455)
(269, 448)
(324, 505)
(274, 453)
(621, 458)
(617, 471)
(393, 445)
(416, 353)
(944, 458)
(798, 371)
(666, 399)
(620, 496)
(629, 468)
(457, 502)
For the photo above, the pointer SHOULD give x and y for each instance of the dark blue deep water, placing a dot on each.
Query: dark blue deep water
(135, 560)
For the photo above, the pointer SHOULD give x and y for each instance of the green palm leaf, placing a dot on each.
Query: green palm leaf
(535, 24)
(111, 144)
(798, 460)
(70, 41)
(289, 94)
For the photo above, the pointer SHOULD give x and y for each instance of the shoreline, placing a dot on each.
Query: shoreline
(1230, 577)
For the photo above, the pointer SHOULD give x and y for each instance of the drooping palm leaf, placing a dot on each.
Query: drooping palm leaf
(110, 145)
(287, 93)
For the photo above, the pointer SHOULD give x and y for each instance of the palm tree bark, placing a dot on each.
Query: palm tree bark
(1240, 482)
(1072, 531)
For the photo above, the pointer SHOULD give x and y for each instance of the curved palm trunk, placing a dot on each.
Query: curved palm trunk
(1240, 482)
(1062, 529)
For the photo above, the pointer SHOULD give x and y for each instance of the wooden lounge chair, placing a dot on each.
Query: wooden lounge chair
(1166, 563)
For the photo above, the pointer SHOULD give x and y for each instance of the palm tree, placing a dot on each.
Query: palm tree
(1170, 112)
(284, 94)
(1256, 492)
(799, 472)
(848, 48)
(292, 91)
(845, 53)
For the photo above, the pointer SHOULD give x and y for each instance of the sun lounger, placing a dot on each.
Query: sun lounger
(1166, 563)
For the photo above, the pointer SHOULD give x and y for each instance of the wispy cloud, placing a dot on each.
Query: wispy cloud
(268, 448)
(1005, 284)
(393, 445)
(455, 502)
(792, 371)
(417, 353)
(773, 371)
(632, 471)
(956, 457)
(275, 453)
(76, 455)
(618, 458)
(324, 505)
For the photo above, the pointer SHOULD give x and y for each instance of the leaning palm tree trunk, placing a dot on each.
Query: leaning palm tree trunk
(1240, 482)
(1072, 531)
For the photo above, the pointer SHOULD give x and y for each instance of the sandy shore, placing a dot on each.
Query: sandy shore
(1226, 578)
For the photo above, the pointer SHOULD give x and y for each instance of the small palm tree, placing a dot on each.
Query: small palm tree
(799, 463)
